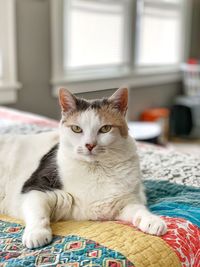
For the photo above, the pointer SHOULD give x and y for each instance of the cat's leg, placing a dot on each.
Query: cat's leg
(62, 203)
(38, 208)
(36, 213)
(143, 219)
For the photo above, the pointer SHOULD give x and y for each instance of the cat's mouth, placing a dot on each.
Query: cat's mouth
(91, 154)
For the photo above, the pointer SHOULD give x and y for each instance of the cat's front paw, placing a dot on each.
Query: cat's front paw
(37, 237)
(149, 223)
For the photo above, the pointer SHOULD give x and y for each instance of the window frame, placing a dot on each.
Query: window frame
(131, 75)
(8, 83)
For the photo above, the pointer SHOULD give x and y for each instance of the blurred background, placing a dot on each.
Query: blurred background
(93, 47)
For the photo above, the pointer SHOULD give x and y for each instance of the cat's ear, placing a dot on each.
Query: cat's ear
(120, 100)
(67, 100)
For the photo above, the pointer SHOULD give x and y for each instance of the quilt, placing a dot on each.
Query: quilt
(172, 182)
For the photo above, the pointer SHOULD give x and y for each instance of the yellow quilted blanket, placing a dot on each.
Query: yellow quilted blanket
(141, 250)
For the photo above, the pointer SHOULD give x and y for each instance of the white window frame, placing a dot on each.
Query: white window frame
(130, 76)
(8, 82)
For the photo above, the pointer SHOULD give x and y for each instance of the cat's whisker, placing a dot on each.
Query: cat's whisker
(79, 150)
(101, 151)
(115, 149)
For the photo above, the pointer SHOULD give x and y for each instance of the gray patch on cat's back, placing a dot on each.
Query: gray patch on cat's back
(46, 176)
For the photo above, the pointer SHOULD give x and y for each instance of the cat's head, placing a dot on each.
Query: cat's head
(90, 129)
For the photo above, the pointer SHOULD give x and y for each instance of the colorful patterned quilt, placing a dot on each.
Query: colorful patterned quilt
(172, 182)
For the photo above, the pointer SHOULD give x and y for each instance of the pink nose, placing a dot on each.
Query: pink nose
(90, 146)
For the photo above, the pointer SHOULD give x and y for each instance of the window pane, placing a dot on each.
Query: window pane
(95, 33)
(159, 35)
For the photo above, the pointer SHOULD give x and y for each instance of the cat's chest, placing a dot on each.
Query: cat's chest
(96, 193)
(90, 185)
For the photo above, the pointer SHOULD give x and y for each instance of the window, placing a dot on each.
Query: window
(8, 79)
(159, 32)
(94, 34)
(94, 40)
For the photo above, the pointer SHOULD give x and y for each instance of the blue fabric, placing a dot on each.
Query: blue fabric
(174, 200)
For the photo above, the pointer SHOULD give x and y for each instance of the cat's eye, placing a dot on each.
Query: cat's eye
(105, 129)
(76, 129)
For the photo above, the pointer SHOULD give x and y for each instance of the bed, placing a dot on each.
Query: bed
(172, 183)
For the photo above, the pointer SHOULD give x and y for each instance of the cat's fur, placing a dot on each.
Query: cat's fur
(82, 176)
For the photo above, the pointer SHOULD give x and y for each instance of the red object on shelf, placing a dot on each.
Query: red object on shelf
(154, 114)
(161, 116)
(192, 61)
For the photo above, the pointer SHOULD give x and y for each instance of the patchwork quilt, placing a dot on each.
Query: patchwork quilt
(172, 182)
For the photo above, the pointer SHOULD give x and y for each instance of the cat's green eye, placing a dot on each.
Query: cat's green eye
(105, 129)
(76, 129)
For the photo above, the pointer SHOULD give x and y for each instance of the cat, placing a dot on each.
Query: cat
(87, 170)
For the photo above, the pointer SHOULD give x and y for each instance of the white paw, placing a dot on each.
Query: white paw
(149, 223)
(37, 237)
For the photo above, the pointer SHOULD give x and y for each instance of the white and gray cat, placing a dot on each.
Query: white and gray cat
(89, 170)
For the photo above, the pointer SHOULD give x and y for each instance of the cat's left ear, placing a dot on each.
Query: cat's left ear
(120, 100)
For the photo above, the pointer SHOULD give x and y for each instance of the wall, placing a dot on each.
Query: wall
(157, 96)
(195, 32)
(34, 67)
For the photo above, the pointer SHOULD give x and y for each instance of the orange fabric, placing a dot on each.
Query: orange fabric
(154, 114)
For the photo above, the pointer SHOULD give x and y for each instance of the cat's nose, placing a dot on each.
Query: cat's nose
(90, 146)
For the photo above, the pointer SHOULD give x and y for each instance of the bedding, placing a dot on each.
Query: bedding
(172, 182)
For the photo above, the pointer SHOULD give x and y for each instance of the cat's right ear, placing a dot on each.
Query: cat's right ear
(67, 100)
